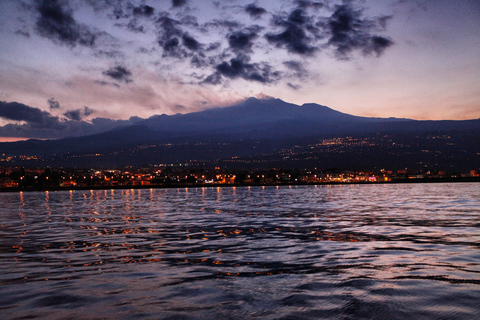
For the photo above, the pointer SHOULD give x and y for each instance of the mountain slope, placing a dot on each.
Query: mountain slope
(249, 115)
(251, 128)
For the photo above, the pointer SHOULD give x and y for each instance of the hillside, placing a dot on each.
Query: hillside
(258, 129)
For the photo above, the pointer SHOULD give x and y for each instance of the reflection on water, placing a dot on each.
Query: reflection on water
(307, 252)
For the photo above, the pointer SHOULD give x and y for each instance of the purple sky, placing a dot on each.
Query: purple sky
(75, 67)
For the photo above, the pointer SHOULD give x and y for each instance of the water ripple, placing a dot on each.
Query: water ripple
(307, 252)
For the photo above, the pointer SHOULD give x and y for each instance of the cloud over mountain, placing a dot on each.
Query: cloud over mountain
(145, 57)
(220, 49)
(34, 123)
(240, 68)
(78, 114)
(32, 116)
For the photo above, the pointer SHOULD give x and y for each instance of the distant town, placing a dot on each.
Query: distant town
(183, 175)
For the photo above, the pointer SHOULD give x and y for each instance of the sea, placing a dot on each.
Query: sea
(372, 251)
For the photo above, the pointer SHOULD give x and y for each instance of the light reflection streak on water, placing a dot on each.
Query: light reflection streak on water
(335, 251)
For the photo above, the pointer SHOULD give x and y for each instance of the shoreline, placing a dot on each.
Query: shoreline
(223, 185)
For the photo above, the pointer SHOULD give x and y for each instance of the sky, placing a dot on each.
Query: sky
(69, 68)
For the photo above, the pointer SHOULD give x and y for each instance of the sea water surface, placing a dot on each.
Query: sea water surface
(392, 251)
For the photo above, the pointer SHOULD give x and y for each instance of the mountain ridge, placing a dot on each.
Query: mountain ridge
(250, 113)
(250, 128)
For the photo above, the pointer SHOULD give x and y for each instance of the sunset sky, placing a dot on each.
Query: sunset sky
(66, 63)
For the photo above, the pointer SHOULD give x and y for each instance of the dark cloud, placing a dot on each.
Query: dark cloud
(78, 114)
(294, 36)
(378, 45)
(240, 41)
(57, 23)
(234, 69)
(53, 104)
(136, 21)
(178, 3)
(302, 30)
(41, 124)
(74, 115)
(143, 10)
(33, 116)
(243, 40)
(310, 4)
(190, 42)
(87, 111)
(349, 32)
(127, 15)
(240, 68)
(121, 9)
(297, 17)
(173, 40)
(169, 34)
(255, 11)
(346, 30)
(171, 44)
(119, 73)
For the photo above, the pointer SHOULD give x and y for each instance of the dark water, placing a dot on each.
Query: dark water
(335, 252)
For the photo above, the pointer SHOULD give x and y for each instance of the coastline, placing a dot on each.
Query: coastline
(230, 185)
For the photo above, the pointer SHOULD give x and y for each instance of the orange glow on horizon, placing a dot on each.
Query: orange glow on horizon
(12, 139)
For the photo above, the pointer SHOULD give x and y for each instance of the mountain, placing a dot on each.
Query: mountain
(258, 129)
(274, 119)
(253, 118)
